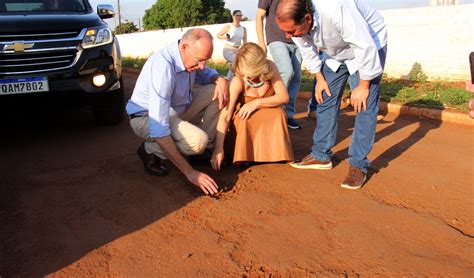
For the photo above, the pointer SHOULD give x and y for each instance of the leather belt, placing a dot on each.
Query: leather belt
(133, 116)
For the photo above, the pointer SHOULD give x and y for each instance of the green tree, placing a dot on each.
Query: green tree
(158, 16)
(186, 13)
(214, 12)
(126, 28)
(417, 74)
(165, 14)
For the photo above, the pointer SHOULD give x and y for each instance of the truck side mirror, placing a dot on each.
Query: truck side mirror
(105, 11)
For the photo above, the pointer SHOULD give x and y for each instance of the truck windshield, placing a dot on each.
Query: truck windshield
(42, 6)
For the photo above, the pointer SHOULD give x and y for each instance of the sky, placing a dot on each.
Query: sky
(132, 10)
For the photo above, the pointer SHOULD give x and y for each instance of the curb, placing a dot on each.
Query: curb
(434, 114)
(397, 109)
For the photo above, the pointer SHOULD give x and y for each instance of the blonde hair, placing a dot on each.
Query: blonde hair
(251, 61)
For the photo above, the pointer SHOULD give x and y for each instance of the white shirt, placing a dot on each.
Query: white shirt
(164, 89)
(236, 35)
(346, 31)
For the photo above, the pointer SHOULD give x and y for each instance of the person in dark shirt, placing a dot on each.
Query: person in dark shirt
(284, 52)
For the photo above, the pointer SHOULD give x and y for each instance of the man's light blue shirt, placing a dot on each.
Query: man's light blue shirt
(164, 89)
(347, 31)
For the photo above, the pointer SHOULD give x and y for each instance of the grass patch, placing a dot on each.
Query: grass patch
(221, 67)
(134, 63)
(436, 94)
(306, 81)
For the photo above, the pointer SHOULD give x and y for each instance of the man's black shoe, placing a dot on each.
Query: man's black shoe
(151, 162)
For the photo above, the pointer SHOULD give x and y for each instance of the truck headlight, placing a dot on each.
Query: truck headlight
(97, 36)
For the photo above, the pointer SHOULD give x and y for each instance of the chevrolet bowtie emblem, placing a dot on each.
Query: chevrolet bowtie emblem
(18, 46)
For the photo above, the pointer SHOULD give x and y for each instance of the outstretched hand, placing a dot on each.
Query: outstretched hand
(203, 181)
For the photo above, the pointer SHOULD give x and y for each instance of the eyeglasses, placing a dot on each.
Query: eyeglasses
(200, 62)
(238, 15)
(251, 82)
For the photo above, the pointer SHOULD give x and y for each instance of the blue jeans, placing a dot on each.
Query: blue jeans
(363, 135)
(287, 58)
(312, 103)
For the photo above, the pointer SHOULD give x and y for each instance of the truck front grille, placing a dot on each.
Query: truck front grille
(48, 52)
(41, 61)
(39, 36)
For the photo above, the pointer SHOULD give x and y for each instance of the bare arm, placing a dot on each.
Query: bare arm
(281, 93)
(221, 35)
(203, 181)
(259, 25)
(245, 35)
(221, 92)
(280, 97)
(236, 88)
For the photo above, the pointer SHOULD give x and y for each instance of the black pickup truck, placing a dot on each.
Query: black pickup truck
(61, 48)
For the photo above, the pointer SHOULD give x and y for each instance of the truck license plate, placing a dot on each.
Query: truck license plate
(23, 85)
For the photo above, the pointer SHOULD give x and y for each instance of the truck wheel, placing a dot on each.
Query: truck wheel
(109, 108)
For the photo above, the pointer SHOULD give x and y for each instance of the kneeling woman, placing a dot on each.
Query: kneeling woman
(255, 111)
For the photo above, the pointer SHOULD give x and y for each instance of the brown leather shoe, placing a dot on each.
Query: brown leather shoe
(355, 178)
(308, 162)
(151, 162)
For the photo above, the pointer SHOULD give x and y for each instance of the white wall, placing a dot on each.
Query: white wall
(439, 38)
(143, 44)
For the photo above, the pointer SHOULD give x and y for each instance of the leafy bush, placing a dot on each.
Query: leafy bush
(389, 90)
(406, 94)
(125, 28)
(454, 96)
(416, 73)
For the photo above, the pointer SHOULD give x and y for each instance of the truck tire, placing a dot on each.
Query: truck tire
(109, 108)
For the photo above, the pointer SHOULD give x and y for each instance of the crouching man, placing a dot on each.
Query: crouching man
(172, 117)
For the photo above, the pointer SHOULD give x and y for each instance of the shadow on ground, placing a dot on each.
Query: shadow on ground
(386, 127)
(69, 187)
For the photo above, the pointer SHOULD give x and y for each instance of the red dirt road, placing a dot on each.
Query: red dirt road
(75, 201)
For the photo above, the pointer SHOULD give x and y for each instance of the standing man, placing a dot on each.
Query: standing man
(171, 116)
(284, 52)
(353, 37)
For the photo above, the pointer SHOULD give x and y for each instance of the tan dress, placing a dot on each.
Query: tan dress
(263, 137)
